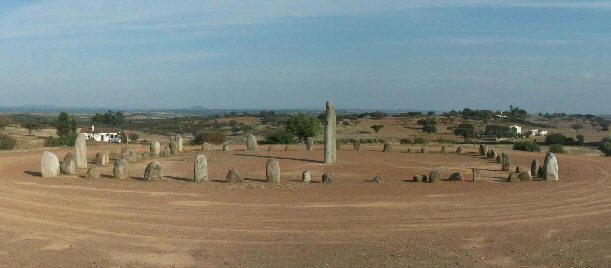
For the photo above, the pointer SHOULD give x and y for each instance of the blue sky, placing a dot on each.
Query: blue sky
(544, 56)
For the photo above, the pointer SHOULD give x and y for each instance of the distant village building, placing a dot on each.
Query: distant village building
(515, 129)
(102, 134)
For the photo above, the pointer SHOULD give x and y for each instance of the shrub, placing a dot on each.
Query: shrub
(605, 146)
(580, 140)
(67, 140)
(303, 126)
(377, 128)
(214, 137)
(134, 136)
(529, 146)
(558, 138)
(405, 141)
(420, 140)
(7, 142)
(557, 149)
(429, 129)
(280, 136)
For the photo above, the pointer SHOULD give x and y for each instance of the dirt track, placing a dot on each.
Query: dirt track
(76, 222)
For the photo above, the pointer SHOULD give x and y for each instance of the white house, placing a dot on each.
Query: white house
(102, 134)
(515, 129)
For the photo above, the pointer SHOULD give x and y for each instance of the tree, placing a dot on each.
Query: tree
(4, 121)
(429, 129)
(428, 125)
(465, 130)
(580, 140)
(66, 131)
(577, 127)
(134, 136)
(377, 128)
(31, 126)
(605, 146)
(7, 142)
(110, 118)
(303, 126)
(123, 136)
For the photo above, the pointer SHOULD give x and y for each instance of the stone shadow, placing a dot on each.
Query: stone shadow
(285, 158)
(33, 173)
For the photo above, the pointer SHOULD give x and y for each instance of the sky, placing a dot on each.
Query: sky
(543, 56)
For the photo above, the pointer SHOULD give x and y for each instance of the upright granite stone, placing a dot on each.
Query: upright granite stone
(93, 172)
(444, 149)
(387, 147)
(200, 169)
(101, 159)
(155, 149)
(306, 176)
(270, 148)
(272, 170)
(233, 176)
(534, 168)
(120, 169)
(179, 143)
(505, 162)
(423, 150)
(251, 143)
(477, 175)
(49, 165)
(356, 145)
(81, 151)
(513, 177)
(550, 167)
(330, 135)
(226, 147)
(460, 149)
(129, 154)
(153, 171)
(482, 149)
(310, 143)
(434, 176)
(173, 148)
(456, 176)
(68, 167)
(498, 159)
(327, 178)
(418, 178)
(525, 176)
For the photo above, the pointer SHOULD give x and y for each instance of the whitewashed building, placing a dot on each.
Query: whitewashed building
(102, 134)
(515, 129)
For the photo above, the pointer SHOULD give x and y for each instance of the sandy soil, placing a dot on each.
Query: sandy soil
(78, 222)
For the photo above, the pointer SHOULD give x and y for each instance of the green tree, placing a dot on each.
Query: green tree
(465, 130)
(429, 129)
(134, 136)
(605, 146)
(577, 127)
(123, 136)
(31, 126)
(4, 121)
(303, 126)
(580, 140)
(377, 128)
(66, 131)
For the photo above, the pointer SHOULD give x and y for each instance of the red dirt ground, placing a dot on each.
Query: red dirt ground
(76, 222)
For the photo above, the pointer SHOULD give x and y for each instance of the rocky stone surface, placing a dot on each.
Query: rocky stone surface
(153, 171)
(49, 165)
(233, 176)
(330, 149)
(200, 169)
(120, 169)
(272, 170)
(80, 147)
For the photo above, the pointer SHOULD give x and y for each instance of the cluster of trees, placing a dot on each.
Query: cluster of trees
(110, 118)
(605, 146)
(6, 142)
(297, 128)
(429, 125)
(466, 130)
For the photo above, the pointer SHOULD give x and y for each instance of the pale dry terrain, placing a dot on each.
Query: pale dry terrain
(78, 222)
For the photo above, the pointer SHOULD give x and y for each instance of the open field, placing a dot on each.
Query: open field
(76, 222)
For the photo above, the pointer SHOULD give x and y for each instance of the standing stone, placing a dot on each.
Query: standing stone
(498, 159)
(179, 143)
(270, 148)
(49, 165)
(330, 135)
(286, 148)
(226, 147)
(423, 150)
(155, 149)
(460, 149)
(251, 142)
(513, 177)
(206, 146)
(81, 151)
(69, 165)
(101, 159)
(505, 162)
(550, 167)
(525, 176)
(410, 150)
(418, 178)
(93, 172)
(377, 179)
(482, 149)
(387, 147)
(200, 169)
(534, 168)
(120, 169)
(434, 176)
(129, 154)
(272, 170)
(477, 174)
(327, 178)
(493, 154)
(153, 171)
(540, 171)
(444, 149)
(173, 148)
(310, 143)
(356, 144)
(306, 176)
(166, 151)
(520, 169)
(456, 176)
(233, 176)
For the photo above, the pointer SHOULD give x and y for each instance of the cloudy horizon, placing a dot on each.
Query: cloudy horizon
(543, 56)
